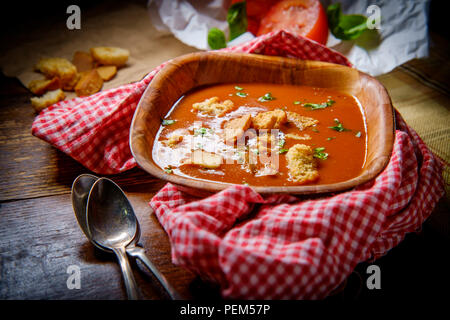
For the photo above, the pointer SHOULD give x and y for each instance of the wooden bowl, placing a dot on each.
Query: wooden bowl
(197, 69)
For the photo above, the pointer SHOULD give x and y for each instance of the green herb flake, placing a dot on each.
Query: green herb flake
(281, 143)
(319, 154)
(338, 127)
(267, 97)
(239, 88)
(168, 170)
(315, 130)
(297, 102)
(241, 94)
(358, 134)
(216, 39)
(168, 122)
(331, 138)
(317, 106)
(200, 132)
(281, 151)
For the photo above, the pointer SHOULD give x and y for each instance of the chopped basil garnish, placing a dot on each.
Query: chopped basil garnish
(281, 143)
(283, 151)
(316, 106)
(241, 94)
(315, 130)
(319, 154)
(168, 122)
(200, 132)
(239, 88)
(338, 127)
(168, 170)
(297, 102)
(358, 134)
(331, 138)
(267, 97)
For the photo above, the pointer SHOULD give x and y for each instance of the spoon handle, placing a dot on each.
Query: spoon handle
(130, 283)
(139, 253)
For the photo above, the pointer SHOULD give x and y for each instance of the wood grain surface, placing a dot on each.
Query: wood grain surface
(40, 239)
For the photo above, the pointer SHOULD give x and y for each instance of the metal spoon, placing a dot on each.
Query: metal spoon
(80, 192)
(112, 225)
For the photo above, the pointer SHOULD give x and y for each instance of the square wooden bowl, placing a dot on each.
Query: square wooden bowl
(197, 69)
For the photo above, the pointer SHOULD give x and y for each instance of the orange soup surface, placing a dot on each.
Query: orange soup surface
(263, 135)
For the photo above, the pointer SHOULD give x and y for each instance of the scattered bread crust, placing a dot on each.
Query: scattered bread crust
(89, 83)
(83, 61)
(173, 141)
(57, 67)
(110, 55)
(302, 164)
(212, 106)
(234, 129)
(204, 159)
(269, 119)
(297, 137)
(300, 121)
(51, 97)
(107, 72)
(41, 86)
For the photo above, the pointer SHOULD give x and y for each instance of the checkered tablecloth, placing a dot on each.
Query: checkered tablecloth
(278, 247)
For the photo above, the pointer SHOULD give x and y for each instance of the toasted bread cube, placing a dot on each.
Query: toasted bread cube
(39, 87)
(297, 137)
(173, 140)
(57, 67)
(83, 61)
(234, 129)
(70, 86)
(205, 159)
(90, 83)
(300, 121)
(110, 55)
(212, 106)
(269, 119)
(302, 164)
(107, 72)
(51, 97)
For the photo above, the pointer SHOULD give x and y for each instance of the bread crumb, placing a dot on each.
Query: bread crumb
(234, 129)
(297, 137)
(302, 164)
(269, 119)
(51, 97)
(300, 121)
(173, 140)
(110, 55)
(212, 106)
(57, 67)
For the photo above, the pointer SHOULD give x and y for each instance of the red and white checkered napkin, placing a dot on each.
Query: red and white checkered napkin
(282, 248)
(95, 130)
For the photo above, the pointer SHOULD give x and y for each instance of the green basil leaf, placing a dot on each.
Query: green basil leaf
(216, 39)
(168, 122)
(345, 26)
(237, 19)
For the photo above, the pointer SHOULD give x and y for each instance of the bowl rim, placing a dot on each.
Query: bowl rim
(210, 186)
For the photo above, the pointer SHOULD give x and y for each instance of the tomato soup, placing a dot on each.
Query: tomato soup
(263, 135)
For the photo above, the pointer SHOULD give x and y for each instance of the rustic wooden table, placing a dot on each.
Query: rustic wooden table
(40, 238)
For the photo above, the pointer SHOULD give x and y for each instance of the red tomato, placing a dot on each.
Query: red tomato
(256, 10)
(303, 17)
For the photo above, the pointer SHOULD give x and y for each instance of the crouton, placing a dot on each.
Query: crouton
(266, 142)
(83, 61)
(299, 121)
(57, 67)
(70, 86)
(234, 129)
(110, 55)
(107, 72)
(212, 106)
(39, 87)
(302, 164)
(267, 170)
(173, 140)
(89, 83)
(204, 159)
(269, 119)
(297, 137)
(51, 97)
